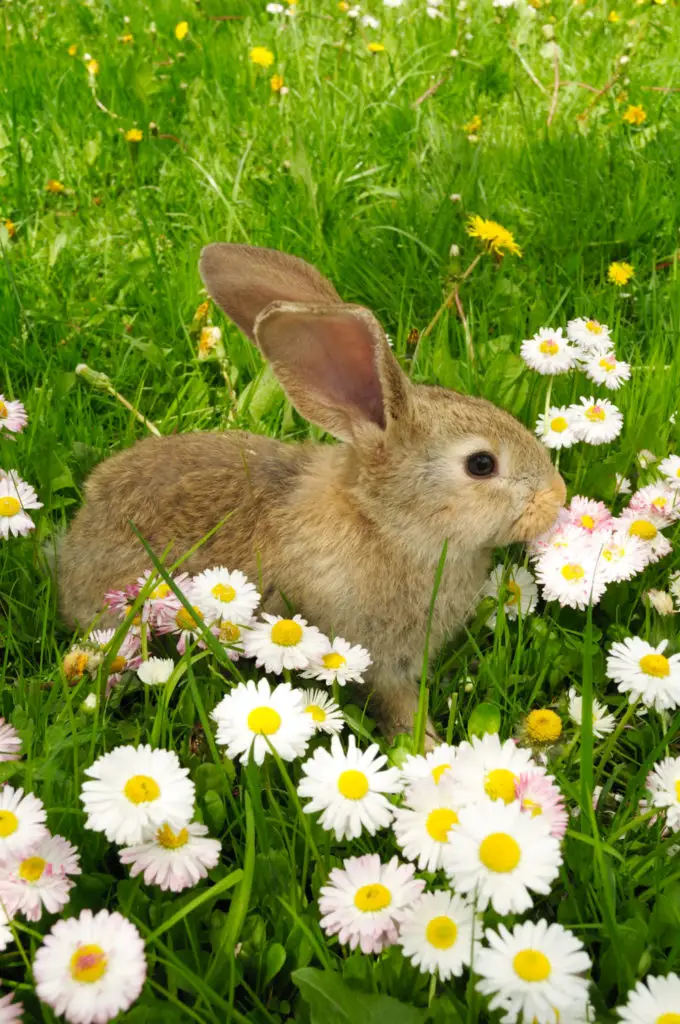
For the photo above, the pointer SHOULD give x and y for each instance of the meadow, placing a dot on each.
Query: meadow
(366, 140)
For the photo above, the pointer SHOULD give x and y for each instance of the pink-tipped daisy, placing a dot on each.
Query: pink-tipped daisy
(15, 497)
(10, 1012)
(647, 527)
(597, 420)
(172, 859)
(590, 336)
(538, 794)
(10, 742)
(548, 352)
(659, 499)
(41, 879)
(173, 617)
(22, 823)
(607, 370)
(588, 515)
(12, 415)
(127, 657)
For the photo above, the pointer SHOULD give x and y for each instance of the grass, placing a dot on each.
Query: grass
(362, 172)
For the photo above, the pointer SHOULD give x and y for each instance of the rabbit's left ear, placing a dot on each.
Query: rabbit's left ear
(335, 365)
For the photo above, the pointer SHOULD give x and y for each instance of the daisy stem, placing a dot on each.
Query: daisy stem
(548, 396)
(433, 988)
(100, 380)
(292, 792)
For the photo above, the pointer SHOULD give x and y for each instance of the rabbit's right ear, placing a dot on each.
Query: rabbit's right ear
(244, 280)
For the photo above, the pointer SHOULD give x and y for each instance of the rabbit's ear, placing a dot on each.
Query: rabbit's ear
(244, 280)
(335, 365)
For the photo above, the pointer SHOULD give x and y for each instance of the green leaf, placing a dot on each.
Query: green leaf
(333, 1002)
(485, 718)
(275, 959)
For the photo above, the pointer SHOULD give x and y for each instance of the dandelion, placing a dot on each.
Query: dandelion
(375, 47)
(22, 823)
(632, 115)
(664, 785)
(54, 186)
(473, 126)
(542, 726)
(277, 643)
(493, 236)
(423, 824)
(654, 1000)
(12, 414)
(514, 588)
(324, 711)
(92, 68)
(556, 427)
(603, 722)
(436, 934)
(338, 662)
(40, 879)
(668, 467)
(591, 337)
(134, 135)
(221, 594)
(11, 229)
(276, 83)
(155, 671)
(488, 769)
(538, 795)
(620, 273)
(15, 497)
(127, 38)
(645, 673)
(613, 17)
(10, 742)
(548, 352)
(254, 716)
(181, 30)
(608, 371)
(173, 860)
(72, 50)
(261, 56)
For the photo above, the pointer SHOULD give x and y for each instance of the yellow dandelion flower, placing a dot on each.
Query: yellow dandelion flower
(620, 273)
(134, 135)
(493, 236)
(343, 5)
(127, 38)
(10, 227)
(291, 3)
(613, 17)
(543, 726)
(92, 67)
(181, 30)
(376, 47)
(201, 311)
(635, 114)
(54, 186)
(72, 50)
(261, 56)
(473, 126)
(276, 82)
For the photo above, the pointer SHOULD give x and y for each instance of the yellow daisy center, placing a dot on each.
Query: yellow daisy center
(549, 347)
(159, 592)
(88, 963)
(439, 822)
(170, 840)
(573, 572)
(500, 852)
(4, 411)
(660, 502)
(595, 413)
(352, 784)
(587, 521)
(372, 897)
(142, 789)
(264, 720)
(668, 1018)
(543, 726)
(608, 363)
(118, 664)
(32, 868)
(438, 771)
(532, 965)
(500, 785)
(677, 472)
(515, 592)
(677, 791)
(9, 506)
(229, 632)
(532, 806)
(223, 592)
(441, 932)
(655, 665)
(187, 620)
(286, 633)
(317, 713)
(333, 660)
(558, 425)
(643, 528)
(9, 823)
(594, 327)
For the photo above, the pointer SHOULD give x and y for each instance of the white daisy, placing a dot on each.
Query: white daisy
(171, 616)
(540, 795)
(514, 587)
(663, 782)
(562, 535)
(221, 594)
(549, 352)
(590, 335)
(574, 576)
(173, 859)
(670, 468)
(230, 635)
(423, 823)
(127, 655)
(623, 484)
(156, 671)
(368, 21)
(22, 823)
(10, 742)
(607, 370)
(660, 499)
(10, 1012)
(132, 789)
(15, 497)
(487, 769)
(13, 415)
(161, 597)
(499, 855)
(339, 662)
(90, 968)
(277, 643)
(437, 932)
(596, 420)
(535, 971)
(325, 713)
(348, 788)
(365, 900)
(645, 673)
(433, 765)
(254, 715)
(647, 528)
(603, 723)
(40, 879)
(653, 1001)
(556, 428)
(623, 556)
(589, 516)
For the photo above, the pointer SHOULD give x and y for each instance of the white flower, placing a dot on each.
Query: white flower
(22, 823)
(514, 587)
(623, 555)
(596, 420)
(607, 370)
(90, 968)
(659, 499)
(645, 673)
(173, 859)
(504, 3)
(254, 715)
(556, 429)
(156, 671)
(652, 1001)
(603, 723)
(436, 934)
(364, 901)
(221, 594)
(132, 789)
(324, 711)
(486, 769)
(670, 468)
(422, 825)
(591, 336)
(575, 576)
(10, 742)
(274, 8)
(278, 643)
(646, 458)
(433, 765)
(10, 1012)
(647, 528)
(339, 662)
(540, 795)
(393, 3)
(535, 971)
(549, 352)
(500, 855)
(663, 782)
(15, 497)
(348, 788)
(12, 416)
(368, 21)
(433, 12)
(588, 515)
(623, 484)
(40, 879)
(661, 601)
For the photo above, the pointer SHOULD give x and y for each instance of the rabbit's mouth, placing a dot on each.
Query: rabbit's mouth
(541, 512)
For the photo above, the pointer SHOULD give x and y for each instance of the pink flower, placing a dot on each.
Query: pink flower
(160, 596)
(12, 416)
(538, 794)
(127, 658)
(588, 515)
(39, 880)
(171, 616)
(660, 499)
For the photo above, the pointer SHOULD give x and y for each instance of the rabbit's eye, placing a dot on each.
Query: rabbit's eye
(481, 464)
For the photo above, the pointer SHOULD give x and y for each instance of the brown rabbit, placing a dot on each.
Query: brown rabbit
(350, 533)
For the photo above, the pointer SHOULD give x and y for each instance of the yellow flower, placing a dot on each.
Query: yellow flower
(473, 126)
(276, 82)
(10, 228)
(343, 5)
(613, 17)
(54, 186)
(376, 47)
(181, 30)
(262, 56)
(635, 114)
(494, 236)
(543, 726)
(92, 67)
(127, 38)
(72, 50)
(620, 273)
(201, 312)
(134, 135)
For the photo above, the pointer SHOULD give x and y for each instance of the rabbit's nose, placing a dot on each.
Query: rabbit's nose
(542, 510)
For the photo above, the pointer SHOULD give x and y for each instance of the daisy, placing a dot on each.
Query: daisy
(514, 587)
(254, 715)
(603, 723)
(588, 515)
(652, 1001)
(40, 879)
(22, 823)
(127, 656)
(437, 932)
(10, 742)
(277, 643)
(664, 785)
(90, 968)
(487, 769)
(623, 484)
(500, 854)
(12, 416)
(10, 1012)
(647, 527)
(230, 635)
(556, 427)
(659, 499)
(646, 458)
(132, 789)
(433, 765)
(538, 794)
(173, 860)
(661, 601)
(573, 576)
(623, 556)
(339, 662)
(607, 370)
(15, 497)
(221, 594)
(670, 468)
(535, 971)
(548, 352)
(325, 713)
(172, 617)
(596, 420)
(591, 336)
(422, 825)
(365, 900)
(645, 673)
(158, 597)
(155, 671)
(562, 535)
(348, 788)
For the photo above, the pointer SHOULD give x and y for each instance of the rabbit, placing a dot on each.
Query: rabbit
(349, 534)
